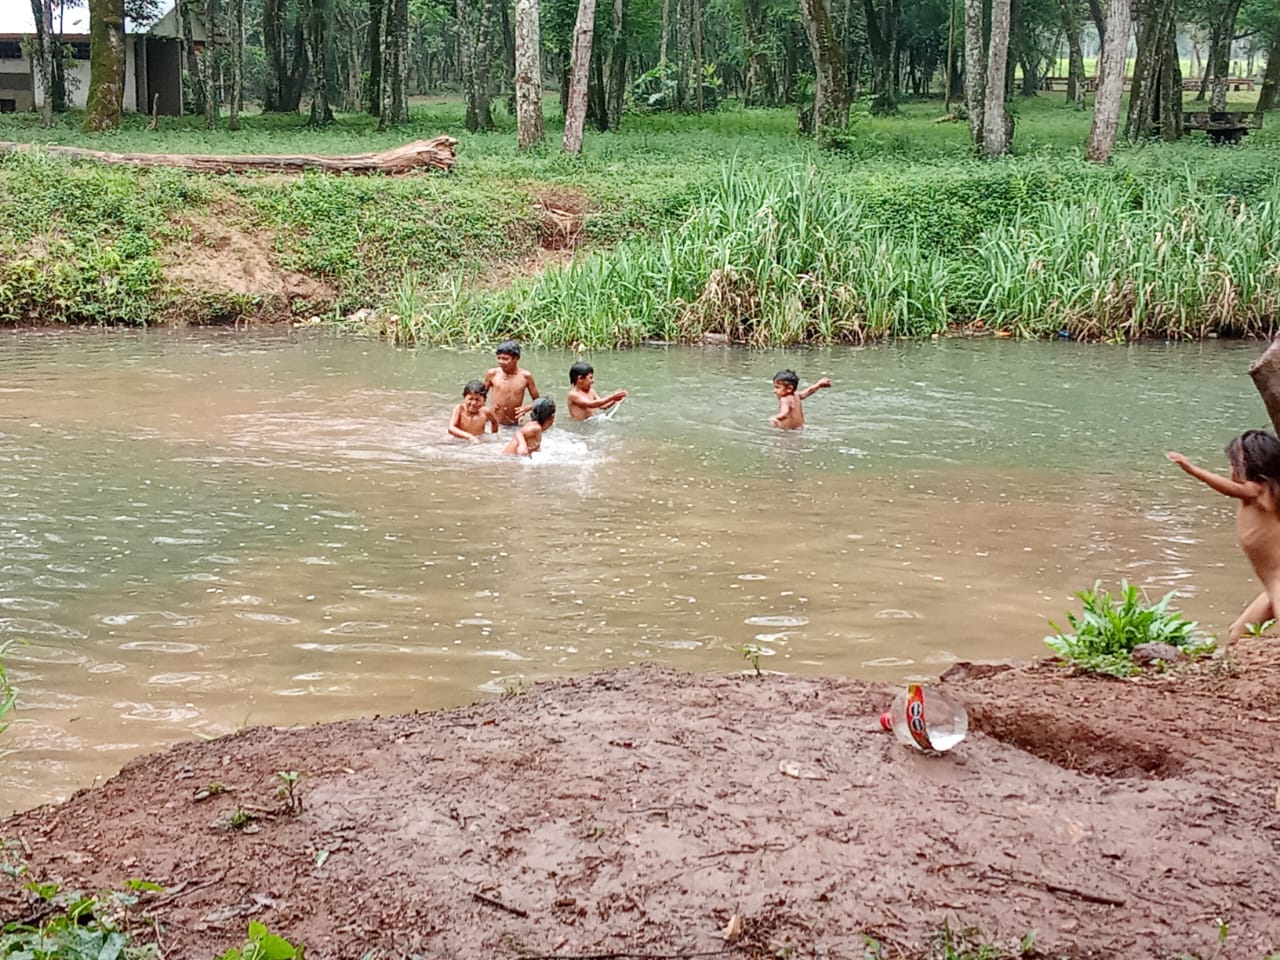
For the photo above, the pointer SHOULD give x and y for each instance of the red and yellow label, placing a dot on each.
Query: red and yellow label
(915, 717)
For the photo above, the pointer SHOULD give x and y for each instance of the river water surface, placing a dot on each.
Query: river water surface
(202, 531)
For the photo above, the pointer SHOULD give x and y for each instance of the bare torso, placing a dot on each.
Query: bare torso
(790, 415)
(506, 393)
(1258, 527)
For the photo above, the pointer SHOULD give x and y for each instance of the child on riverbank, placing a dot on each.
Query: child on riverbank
(583, 399)
(471, 416)
(786, 384)
(528, 439)
(507, 383)
(1255, 482)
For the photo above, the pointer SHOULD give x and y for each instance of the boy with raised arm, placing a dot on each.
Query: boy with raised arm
(507, 383)
(583, 399)
(790, 415)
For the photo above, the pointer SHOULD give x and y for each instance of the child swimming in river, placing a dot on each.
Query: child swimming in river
(583, 399)
(1255, 482)
(528, 439)
(786, 383)
(471, 416)
(507, 383)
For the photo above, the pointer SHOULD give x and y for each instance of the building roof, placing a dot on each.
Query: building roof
(70, 18)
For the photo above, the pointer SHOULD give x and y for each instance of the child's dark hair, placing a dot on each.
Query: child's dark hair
(509, 347)
(788, 377)
(474, 386)
(579, 370)
(543, 409)
(1255, 455)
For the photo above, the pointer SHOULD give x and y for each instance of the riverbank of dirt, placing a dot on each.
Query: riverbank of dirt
(636, 812)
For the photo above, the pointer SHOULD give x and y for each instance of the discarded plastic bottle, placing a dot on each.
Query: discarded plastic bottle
(925, 719)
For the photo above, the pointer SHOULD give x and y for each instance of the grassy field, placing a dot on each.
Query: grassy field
(885, 233)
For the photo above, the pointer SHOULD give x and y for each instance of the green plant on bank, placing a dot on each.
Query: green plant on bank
(289, 794)
(962, 944)
(1102, 638)
(79, 927)
(263, 945)
(8, 696)
(1259, 629)
(751, 653)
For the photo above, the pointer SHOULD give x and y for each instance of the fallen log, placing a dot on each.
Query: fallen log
(421, 154)
(1265, 371)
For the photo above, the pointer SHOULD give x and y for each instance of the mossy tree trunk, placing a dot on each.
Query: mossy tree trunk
(395, 65)
(529, 125)
(1075, 55)
(106, 65)
(975, 68)
(830, 85)
(373, 50)
(616, 67)
(1106, 106)
(207, 81)
(1271, 80)
(237, 62)
(42, 54)
(1148, 109)
(995, 122)
(1221, 54)
(758, 87)
(882, 38)
(575, 111)
(319, 29)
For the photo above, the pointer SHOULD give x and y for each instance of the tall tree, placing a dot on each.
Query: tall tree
(373, 50)
(285, 46)
(575, 113)
(830, 84)
(209, 94)
(106, 65)
(395, 65)
(319, 29)
(529, 125)
(996, 125)
(1075, 55)
(975, 68)
(758, 82)
(1151, 108)
(42, 54)
(237, 62)
(1271, 80)
(882, 38)
(186, 17)
(1223, 33)
(1106, 106)
(616, 67)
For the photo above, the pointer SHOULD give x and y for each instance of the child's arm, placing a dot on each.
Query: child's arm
(810, 390)
(455, 425)
(531, 387)
(582, 399)
(1224, 485)
(522, 444)
(784, 408)
(492, 420)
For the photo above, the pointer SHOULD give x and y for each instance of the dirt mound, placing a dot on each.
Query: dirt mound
(634, 813)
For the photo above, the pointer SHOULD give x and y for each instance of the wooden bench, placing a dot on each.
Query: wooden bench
(1235, 83)
(1222, 126)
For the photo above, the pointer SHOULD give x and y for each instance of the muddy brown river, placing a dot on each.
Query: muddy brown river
(202, 531)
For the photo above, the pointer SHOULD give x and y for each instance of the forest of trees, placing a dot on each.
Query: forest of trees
(818, 55)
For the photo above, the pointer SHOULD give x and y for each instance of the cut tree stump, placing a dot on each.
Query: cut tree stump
(1265, 372)
(421, 154)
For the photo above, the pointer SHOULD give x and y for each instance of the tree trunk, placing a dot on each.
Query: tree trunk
(1075, 56)
(320, 23)
(42, 53)
(106, 65)
(237, 62)
(1221, 52)
(666, 31)
(1147, 109)
(481, 62)
(1106, 107)
(975, 69)
(1100, 24)
(575, 113)
(616, 68)
(951, 44)
(597, 107)
(373, 50)
(995, 127)
(697, 52)
(755, 84)
(684, 54)
(395, 65)
(830, 86)
(1271, 80)
(529, 128)
(882, 38)
(208, 85)
(464, 19)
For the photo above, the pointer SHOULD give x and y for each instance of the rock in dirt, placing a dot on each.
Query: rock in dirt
(1146, 654)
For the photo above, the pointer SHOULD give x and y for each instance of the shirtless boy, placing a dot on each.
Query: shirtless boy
(528, 439)
(790, 415)
(471, 416)
(583, 399)
(1255, 481)
(507, 383)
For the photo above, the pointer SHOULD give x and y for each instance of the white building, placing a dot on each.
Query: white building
(153, 58)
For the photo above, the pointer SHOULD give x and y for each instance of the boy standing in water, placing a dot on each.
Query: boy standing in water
(507, 383)
(790, 415)
(471, 416)
(1255, 481)
(583, 399)
(528, 439)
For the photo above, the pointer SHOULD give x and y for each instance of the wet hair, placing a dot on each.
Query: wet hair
(579, 370)
(474, 386)
(543, 409)
(788, 377)
(509, 347)
(1255, 455)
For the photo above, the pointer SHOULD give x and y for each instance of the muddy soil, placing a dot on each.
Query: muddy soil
(635, 812)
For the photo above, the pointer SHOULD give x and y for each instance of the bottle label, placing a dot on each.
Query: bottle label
(915, 716)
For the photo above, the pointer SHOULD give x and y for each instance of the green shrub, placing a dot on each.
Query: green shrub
(1103, 637)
